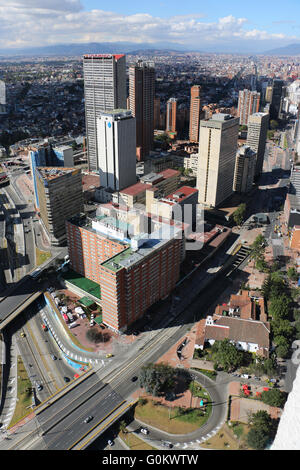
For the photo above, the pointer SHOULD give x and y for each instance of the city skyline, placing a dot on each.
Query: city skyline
(231, 27)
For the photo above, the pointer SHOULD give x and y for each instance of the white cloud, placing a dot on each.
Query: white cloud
(43, 22)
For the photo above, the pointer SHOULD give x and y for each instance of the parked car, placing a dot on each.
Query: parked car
(110, 443)
(145, 431)
(53, 357)
(246, 376)
(167, 444)
(66, 379)
(134, 378)
(109, 355)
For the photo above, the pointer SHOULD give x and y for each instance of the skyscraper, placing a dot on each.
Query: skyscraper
(275, 106)
(116, 131)
(248, 104)
(257, 136)
(104, 89)
(156, 113)
(2, 97)
(141, 101)
(195, 113)
(244, 169)
(216, 161)
(60, 197)
(171, 115)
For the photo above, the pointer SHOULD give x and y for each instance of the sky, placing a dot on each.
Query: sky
(250, 26)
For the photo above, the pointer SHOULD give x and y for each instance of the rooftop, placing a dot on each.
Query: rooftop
(50, 173)
(136, 189)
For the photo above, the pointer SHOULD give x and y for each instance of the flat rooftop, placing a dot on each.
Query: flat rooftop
(50, 173)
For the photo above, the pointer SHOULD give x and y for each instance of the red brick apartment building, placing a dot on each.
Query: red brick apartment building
(133, 274)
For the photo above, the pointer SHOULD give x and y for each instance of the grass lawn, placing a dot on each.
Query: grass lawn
(172, 420)
(209, 373)
(132, 441)
(228, 438)
(24, 396)
(41, 256)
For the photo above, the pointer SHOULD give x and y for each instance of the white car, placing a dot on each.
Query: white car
(245, 376)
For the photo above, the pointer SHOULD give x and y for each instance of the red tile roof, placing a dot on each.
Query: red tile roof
(136, 189)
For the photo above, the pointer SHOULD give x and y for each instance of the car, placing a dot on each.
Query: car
(39, 386)
(145, 431)
(167, 444)
(22, 334)
(257, 378)
(245, 376)
(53, 357)
(109, 355)
(135, 333)
(110, 443)
(134, 378)
(66, 379)
(102, 326)
(88, 419)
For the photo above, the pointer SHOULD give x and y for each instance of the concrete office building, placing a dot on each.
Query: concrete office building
(277, 91)
(195, 108)
(171, 116)
(133, 273)
(256, 138)
(141, 102)
(157, 113)
(104, 89)
(116, 131)
(216, 163)
(60, 197)
(244, 170)
(45, 154)
(2, 97)
(247, 105)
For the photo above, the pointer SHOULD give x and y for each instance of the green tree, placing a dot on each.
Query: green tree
(279, 307)
(258, 247)
(282, 328)
(239, 214)
(226, 355)
(292, 273)
(274, 397)
(273, 124)
(262, 430)
(159, 379)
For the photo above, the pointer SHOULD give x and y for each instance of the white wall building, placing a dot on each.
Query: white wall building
(104, 89)
(216, 161)
(116, 136)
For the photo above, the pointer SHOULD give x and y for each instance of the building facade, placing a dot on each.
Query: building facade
(244, 171)
(132, 273)
(104, 90)
(116, 131)
(141, 102)
(60, 196)
(216, 161)
(248, 104)
(195, 108)
(171, 116)
(256, 138)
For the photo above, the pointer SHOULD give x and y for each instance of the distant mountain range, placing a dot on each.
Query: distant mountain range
(93, 48)
(291, 49)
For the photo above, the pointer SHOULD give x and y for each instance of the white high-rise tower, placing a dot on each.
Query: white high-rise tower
(104, 90)
(116, 136)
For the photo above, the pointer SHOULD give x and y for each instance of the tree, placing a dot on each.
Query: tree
(282, 328)
(226, 355)
(273, 124)
(292, 273)
(239, 214)
(159, 379)
(258, 247)
(279, 307)
(262, 430)
(274, 397)
(283, 350)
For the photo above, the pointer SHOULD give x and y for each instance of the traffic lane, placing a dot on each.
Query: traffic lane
(71, 429)
(72, 398)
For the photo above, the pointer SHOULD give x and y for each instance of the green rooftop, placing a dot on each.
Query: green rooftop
(83, 283)
(113, 263)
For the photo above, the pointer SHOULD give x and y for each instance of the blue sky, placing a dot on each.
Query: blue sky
(210, 25)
